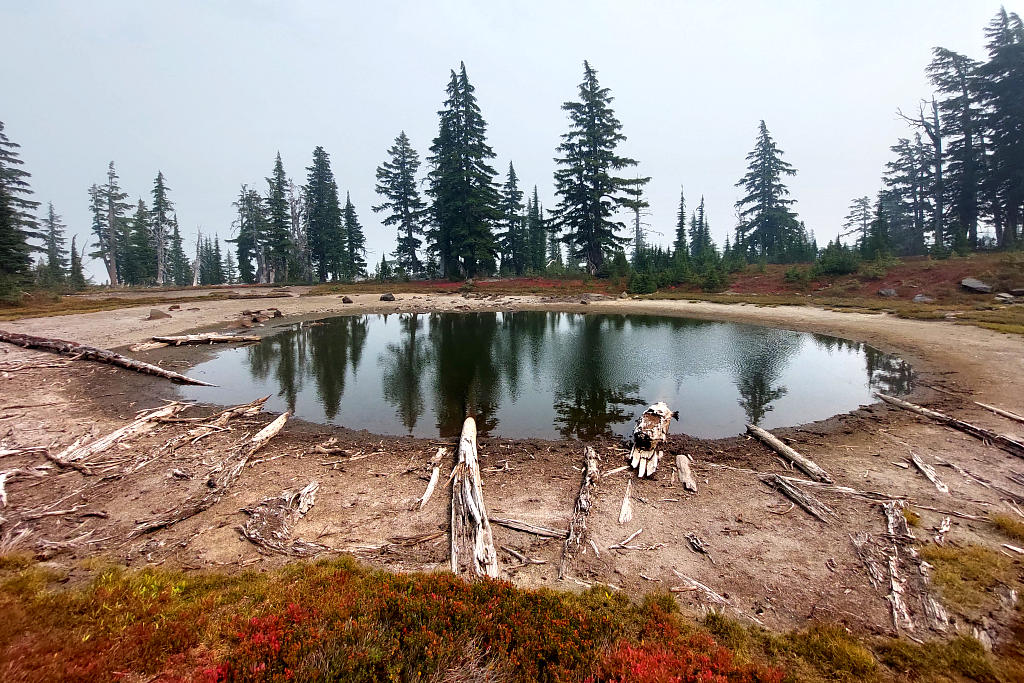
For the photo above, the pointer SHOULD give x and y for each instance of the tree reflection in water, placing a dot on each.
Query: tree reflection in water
(568, 374)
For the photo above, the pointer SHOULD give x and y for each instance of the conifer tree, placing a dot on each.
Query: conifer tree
(76, 278)
(465, 198)
(857, 220)
(396, 183)
(876, 244)
(17, 221)
(680, 246)
(636, 203)
(299, 259)
(512, 241)
(55, 246)
(230, 272)
(109, 222)
(160, 226)
(538, 236)
(907, 179)
(250, 241)
(586, 183)
(278, 224)
(138, 262)
(768, 228)
(355, 255)
(701, 245)
(178, 269)
(324, 224)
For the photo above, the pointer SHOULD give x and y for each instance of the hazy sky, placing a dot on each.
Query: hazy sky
(209, 91)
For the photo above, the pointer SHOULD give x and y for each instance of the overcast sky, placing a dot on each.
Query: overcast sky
(208, 91)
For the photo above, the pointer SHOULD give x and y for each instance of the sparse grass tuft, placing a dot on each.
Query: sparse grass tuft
(912, 517)
(967, 576)
(1009, 526)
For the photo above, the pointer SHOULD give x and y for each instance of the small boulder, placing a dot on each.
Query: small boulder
(346, 299)
(584, 301)
(387, 297)
(276, 312)
(975, 285)
(1017, 291)
(923, 299)
(1004, 298)
(156, 314)
(623, 295)
(888, 292)
(174, 307)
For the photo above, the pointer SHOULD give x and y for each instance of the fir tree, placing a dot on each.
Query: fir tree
(76, 278)
(907, 179)
(251, 228)
(396, 183)
(465, 199)
(857, 220)
(324, 229)
(701, 245)
(230, 272)
(537, 236)
(636, 203)
(512, 232)
(17, 222)
(55, 246)
(589, 191)
(138, 262)
(160, 226)
(109, 222)
(299, 260)
(278, 224)
(680, 246)
(768, 228)
(355, 256)
(876, 243)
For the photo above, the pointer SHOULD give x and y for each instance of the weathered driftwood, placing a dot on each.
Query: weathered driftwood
(205, 338)
(81, 351)
(649, 436)
(709, 595)
(472, 543)
(528, 528)
(77, 455)
(809, 467)
(1003, 441)
(219, 422)
(863, 545)
(584, 501)
(271, 521)
(523, 559)
(684, 474)
(624, 544)
(626, 511)
(929, 472)
(811, 505)
(999, 411)
(435, 474)
(915, 581)
(699, 545)
(221, 478)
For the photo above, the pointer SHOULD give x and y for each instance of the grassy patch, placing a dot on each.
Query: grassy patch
(913, 519)
(967, 577)
(1009, 526)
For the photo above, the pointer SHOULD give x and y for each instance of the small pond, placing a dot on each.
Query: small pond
(548, 375)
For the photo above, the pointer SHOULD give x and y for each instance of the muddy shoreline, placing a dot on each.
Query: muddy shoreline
(783, 569)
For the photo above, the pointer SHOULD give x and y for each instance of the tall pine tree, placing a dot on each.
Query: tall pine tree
(355, 241)
(465, 198)
(160, 225)
(768, 228)
(512, 236)
(278, 227)
(55, 246)
(324, 228)
(586, 182)
(396, 183)
(17, 222)
(109, 209)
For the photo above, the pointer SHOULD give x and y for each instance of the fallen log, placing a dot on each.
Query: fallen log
(806, 501)
(1007, 443)
(684, 474)
(220, 479)
(470, 529)
(435, 474)
(649, 436)
(527, 528)
(220, 421)
(999, 411)
(83, 352)
(77, 454)
(270, 523)
(809, 467)
(584, 501)
(929, 472)
(205, 338)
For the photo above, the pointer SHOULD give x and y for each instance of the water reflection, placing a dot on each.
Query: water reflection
(551, 374)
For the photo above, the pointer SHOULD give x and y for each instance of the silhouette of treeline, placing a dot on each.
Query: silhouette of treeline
(458, 364)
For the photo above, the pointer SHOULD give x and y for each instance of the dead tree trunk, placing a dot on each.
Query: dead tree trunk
(81, 351)
(1007, 443)
(1005, 413)
(806, 464)
(649, 436)
(271, 521)
(584, 501)
(470, 529)
(206, 338)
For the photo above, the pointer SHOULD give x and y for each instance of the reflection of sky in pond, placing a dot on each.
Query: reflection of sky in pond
(539, 374)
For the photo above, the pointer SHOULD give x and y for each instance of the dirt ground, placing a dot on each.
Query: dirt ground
(772, 563)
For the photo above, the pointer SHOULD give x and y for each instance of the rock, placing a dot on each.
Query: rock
(276, 312)
(174, 307)
(1017, 291)
(346, 299)
(923, 299)
(623, 295)
(194, 308)
(1004, 297)
(387, 297)
(155, 314)
(888, 292)
(584, 301)
(975, 285)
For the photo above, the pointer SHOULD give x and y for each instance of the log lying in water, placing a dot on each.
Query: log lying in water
(77, 454)
(809, 467)
(584, 501)
(471, 541)
(270, 523)
(1007, 443)
(649, 436)
(81, 351)
(221, 478)
(206, 338)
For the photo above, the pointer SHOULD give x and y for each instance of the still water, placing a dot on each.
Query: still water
(549, 375)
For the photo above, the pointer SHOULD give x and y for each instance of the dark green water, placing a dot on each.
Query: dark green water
(548, 375)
